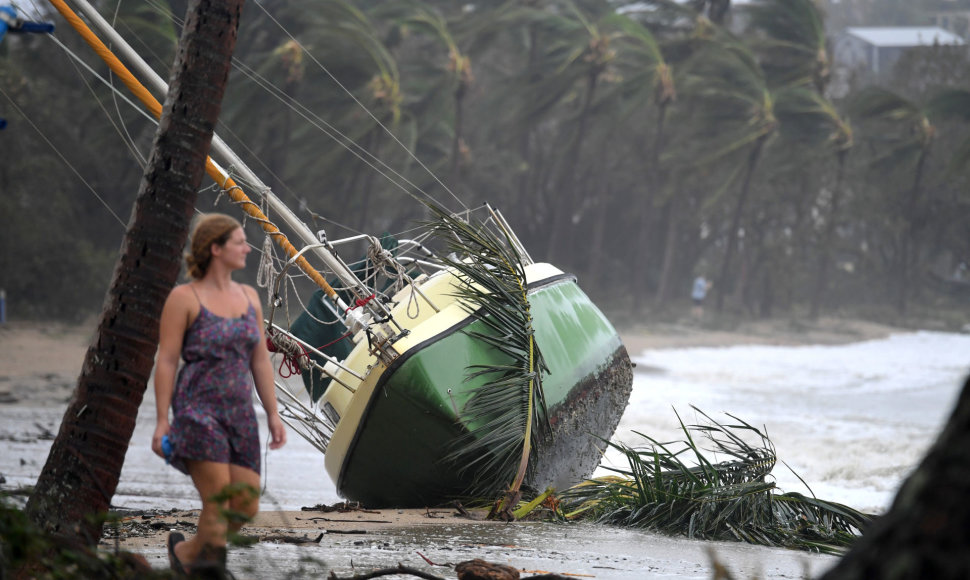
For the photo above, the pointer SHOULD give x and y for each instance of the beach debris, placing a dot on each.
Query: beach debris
(142, 524)
(45, 433)
(323, 519)
(479, 569)
(430, 563)
(727, 500)
(461, 509)
(433, 515)
(399, 569)
(284, 539)
(476, 569)
(340, 507)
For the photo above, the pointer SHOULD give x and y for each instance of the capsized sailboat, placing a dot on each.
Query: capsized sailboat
(449, 383)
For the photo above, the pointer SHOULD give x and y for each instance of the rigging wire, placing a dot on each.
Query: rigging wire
(321, 124)
(122, 130)
(63, 158)
(301, 110)
(364, 108)
(338, 137)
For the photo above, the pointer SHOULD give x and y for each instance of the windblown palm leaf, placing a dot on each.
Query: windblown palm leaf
(738, 106)
(796, 51)
(509, 410)
(905, 123)
(728, 500)
(807, 116)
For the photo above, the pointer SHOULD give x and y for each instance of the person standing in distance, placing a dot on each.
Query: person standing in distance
(697, 294)
(215, 325)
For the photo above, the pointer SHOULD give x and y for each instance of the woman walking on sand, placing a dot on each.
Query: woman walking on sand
(214, 324)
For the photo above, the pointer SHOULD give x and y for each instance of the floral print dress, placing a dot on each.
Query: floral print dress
(214, 419)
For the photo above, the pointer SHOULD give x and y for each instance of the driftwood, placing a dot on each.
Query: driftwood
(476, 569)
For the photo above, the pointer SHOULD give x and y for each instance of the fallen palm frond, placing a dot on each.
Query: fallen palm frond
(508, 412)
(728, 500)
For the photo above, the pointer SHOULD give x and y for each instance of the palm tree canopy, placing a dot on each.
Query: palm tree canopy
(794, 47)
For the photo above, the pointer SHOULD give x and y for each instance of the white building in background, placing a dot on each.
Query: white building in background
(877, 49)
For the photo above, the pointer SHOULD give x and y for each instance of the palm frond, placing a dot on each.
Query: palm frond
(876, 103)
(726, 500)
(795, 45)
(507, 414)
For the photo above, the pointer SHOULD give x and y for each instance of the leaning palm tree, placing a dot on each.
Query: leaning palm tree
(795, 54)
(648, 78)
(585, 53)
(661, 489)
(327, 57)
(448, 80)
(911, 137)
(811, 119)
(738, 116)
(82, 470)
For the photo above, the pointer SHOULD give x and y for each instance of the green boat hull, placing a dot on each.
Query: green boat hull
(412, 418)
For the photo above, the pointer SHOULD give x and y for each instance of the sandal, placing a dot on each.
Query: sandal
(173, 560)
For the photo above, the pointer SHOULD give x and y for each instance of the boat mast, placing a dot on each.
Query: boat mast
(334, 263)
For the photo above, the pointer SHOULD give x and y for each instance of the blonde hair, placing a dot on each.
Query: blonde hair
(213, 228)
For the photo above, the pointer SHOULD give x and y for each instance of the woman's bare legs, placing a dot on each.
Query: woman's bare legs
(212, 480)
(245, 500)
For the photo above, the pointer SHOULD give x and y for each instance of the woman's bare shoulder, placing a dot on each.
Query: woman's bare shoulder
(182, 298)
(182, 292)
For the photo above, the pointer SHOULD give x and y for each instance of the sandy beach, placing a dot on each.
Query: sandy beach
(39, 365)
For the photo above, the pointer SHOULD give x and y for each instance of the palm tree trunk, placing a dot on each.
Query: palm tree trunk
(825, 254)
(641, 248)
(279, 140)
(456, 139)
(367, 188)
(907, 260)
(721, 285)
(670, 218)
(82, 470)
(526, 178)
(597, 256)
(565, 205)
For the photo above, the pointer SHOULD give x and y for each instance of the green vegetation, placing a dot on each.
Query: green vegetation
(509, 410)
(680, 491)
(634, 144)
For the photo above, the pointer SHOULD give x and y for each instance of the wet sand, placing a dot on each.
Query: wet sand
(39, 365)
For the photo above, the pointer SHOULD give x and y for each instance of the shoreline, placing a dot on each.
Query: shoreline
(767, 332)
(40, 363)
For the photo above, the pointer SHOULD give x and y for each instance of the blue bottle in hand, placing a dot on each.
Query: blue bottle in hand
(166, 448)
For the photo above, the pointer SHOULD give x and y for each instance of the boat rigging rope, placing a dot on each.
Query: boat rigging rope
(214, 171)
(266, 272)
(384, 262)
(295, 358)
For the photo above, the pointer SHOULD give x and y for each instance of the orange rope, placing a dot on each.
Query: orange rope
(226, 182)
